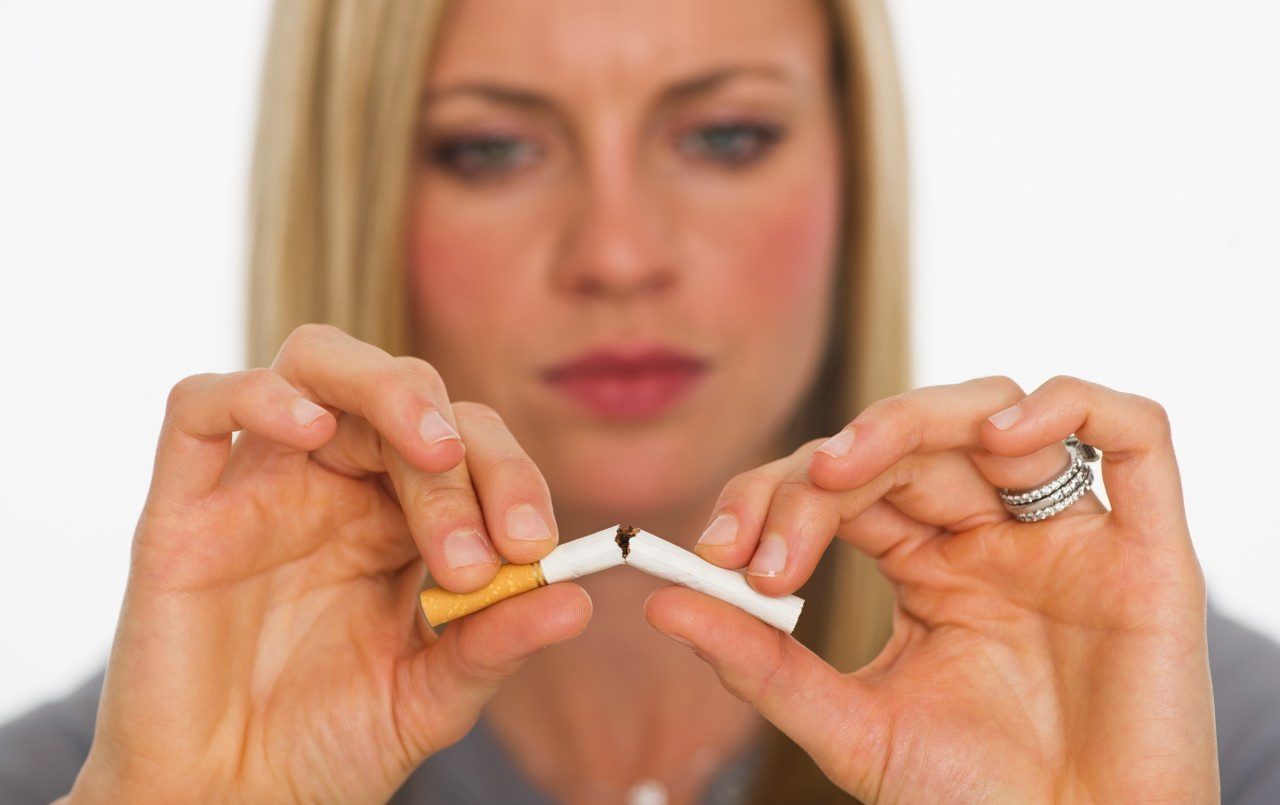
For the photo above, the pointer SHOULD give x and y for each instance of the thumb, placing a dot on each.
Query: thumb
(833, 717)
(443, 687)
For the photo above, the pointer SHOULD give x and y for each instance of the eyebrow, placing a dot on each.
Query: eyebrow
(714, 79)
(699, 84)
(498, 93)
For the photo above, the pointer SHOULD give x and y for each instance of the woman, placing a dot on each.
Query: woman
(645, 260)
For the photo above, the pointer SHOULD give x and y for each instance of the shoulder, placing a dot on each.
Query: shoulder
(42, 751)
(1246, 691)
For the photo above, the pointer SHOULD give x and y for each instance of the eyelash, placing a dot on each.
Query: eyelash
(474, 157)
(731, 145)
(489, 157)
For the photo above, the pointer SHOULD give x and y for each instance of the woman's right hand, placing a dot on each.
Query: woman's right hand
(270, 645)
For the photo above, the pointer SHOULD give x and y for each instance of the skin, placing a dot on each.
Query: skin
(270, 645)
(1069, 654)
(608, 223)
(614, 221)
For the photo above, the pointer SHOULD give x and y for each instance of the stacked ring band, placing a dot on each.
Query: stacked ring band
(1056, 495)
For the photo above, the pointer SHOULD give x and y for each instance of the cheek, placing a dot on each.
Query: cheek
(446, 267)
(796, 246)
(776, 288)
(455, 292)
(470, 260)
(784, 254)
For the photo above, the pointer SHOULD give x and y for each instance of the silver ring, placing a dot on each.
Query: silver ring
(1057, 494)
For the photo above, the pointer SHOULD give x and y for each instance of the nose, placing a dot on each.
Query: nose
(616, 247)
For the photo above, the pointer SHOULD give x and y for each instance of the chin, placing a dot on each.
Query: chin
(631, 482)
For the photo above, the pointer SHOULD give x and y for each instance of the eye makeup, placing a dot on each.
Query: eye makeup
(480, 156)
(731, 143)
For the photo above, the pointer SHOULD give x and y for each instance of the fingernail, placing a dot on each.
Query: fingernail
(770, 558)
(524, 522)
(1003, 419)
(305, 412)
(466, 546)
(722, 531)
(837, 445)
(434, 428)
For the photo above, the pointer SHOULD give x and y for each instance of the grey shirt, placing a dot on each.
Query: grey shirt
(41, 752)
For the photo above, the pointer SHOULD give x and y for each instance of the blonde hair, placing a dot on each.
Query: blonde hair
(330, 177)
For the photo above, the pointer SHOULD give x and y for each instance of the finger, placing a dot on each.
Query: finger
(404, 398)
(356, 449)
(836, 719)
(405, 402)
(1138, 463)
(941, 489)
(884, 526)
(447, 523)
(204, 410)
(1033, 471)
(933, 419)
(511, 490)
(731, 535)
(924, 420)
(775, 522)
(443, 687)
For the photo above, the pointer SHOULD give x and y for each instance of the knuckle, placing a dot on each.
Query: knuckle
(467, 649)
(416, 367)
(252, 382)
(746, 486)
(311, 333)
(773, 671)
(408, 371)
(1006, 385)
(181, 393)
(1065, 384)
(304, 340)
(478, 412)
(441, 498)
(794, 493)
(894, 411)
(515, 465)
(1156, 416)
(899, 418)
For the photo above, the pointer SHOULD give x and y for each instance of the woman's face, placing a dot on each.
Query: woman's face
(622, 234)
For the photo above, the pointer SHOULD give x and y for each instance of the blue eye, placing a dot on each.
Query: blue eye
(482, 157)
(731, 144)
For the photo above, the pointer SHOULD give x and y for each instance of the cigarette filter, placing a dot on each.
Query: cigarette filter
(608, 548)
(571, 560)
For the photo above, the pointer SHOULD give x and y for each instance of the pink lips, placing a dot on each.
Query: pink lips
(627, 383)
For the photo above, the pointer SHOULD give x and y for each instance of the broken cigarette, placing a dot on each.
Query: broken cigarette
(610, 547)
(572, 560)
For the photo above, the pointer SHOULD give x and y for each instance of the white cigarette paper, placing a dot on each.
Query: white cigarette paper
(657, 557)
(660, 558)
(610, 547)
(582, 556)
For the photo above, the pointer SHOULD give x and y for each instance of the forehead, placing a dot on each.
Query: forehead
(607, 46)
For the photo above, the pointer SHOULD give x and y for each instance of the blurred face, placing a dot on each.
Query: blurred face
(622, 234)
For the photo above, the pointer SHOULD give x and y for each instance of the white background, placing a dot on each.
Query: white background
(1097, 192)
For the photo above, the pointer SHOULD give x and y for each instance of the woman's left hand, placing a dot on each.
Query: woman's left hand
(1064, 659)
